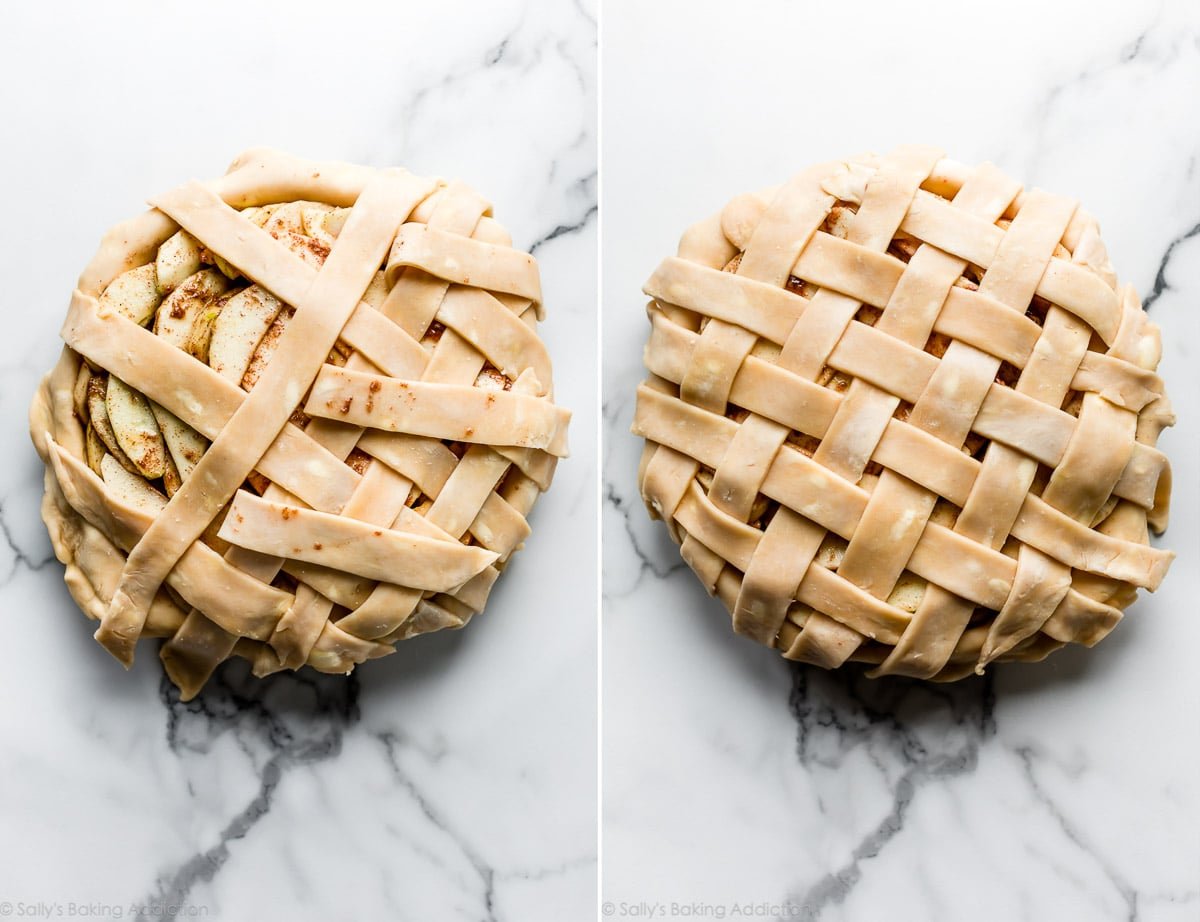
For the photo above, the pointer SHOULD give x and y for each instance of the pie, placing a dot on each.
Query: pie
(302, 413)
(900, 412)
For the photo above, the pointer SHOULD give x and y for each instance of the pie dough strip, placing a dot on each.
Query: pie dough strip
(1005, 475)
(374, 500)
(820, 495)
(414, 302)
(806, 351)
(738, 544)
(664, 476)
(1040, 586)
(478, 510)
(1079, 619)
(200, 576)
(785, 228)
(93, 563)
(263, 176)
(771, 312)
(455, 258)
(378, 341)
(416, 296)
(321, 311)
(836, 505)
(407, 557)
(201, 398)
(1068, 286)
(764, 388)
(443, 411)
(496, 332)
(399, 354)
(719, 352)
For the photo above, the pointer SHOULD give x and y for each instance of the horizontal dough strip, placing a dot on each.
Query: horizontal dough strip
(771, 312)
(967, 316)
(1074, 288)
(820, 588)
(455, 258)
(231, 598)
(455, 412)
(202, 399)
(373, 336)
(871, 276)
(499, 334)
(962, 566)
(835, 504)
(415, 560)
(763, 387)
(429, 465)
(496, 332)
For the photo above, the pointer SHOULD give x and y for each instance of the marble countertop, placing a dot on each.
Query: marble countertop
(453, 780)
(1067, 790)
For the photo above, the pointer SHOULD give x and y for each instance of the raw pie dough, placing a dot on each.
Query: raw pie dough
(900, 412)
(302, 414)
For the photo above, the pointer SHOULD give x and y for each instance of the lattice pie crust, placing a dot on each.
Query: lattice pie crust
(899, 411)
(302, 414)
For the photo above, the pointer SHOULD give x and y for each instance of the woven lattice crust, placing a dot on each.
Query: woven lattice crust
(900, 412)
(303, 413)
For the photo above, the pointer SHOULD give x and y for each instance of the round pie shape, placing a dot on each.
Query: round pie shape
(900, 412)
(302, 414)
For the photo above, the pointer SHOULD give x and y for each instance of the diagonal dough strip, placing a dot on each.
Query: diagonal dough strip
(200, 576)
(322, 309)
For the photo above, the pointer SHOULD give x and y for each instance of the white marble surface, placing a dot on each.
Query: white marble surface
(1063, 791)
(453, 780)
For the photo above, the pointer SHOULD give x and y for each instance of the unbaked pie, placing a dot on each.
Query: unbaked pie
(302, 414)
(900, 412)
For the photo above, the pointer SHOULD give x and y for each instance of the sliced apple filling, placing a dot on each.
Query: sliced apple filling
(198, 302)
(201, 304)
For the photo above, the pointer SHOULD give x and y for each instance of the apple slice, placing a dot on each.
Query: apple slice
(130, 489)
(80, 391)
(136, 431)
(200, 335)
(285, 219)
(178, 258)
(95, 449)
(97, 412)
(184, 444)
(177, 314)
(266, 348)
(171, 479)
(229, 270)
(312, 218)
(335, 221)
(238, 330)
(260, 214)
(133, 293)
(323, 222)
